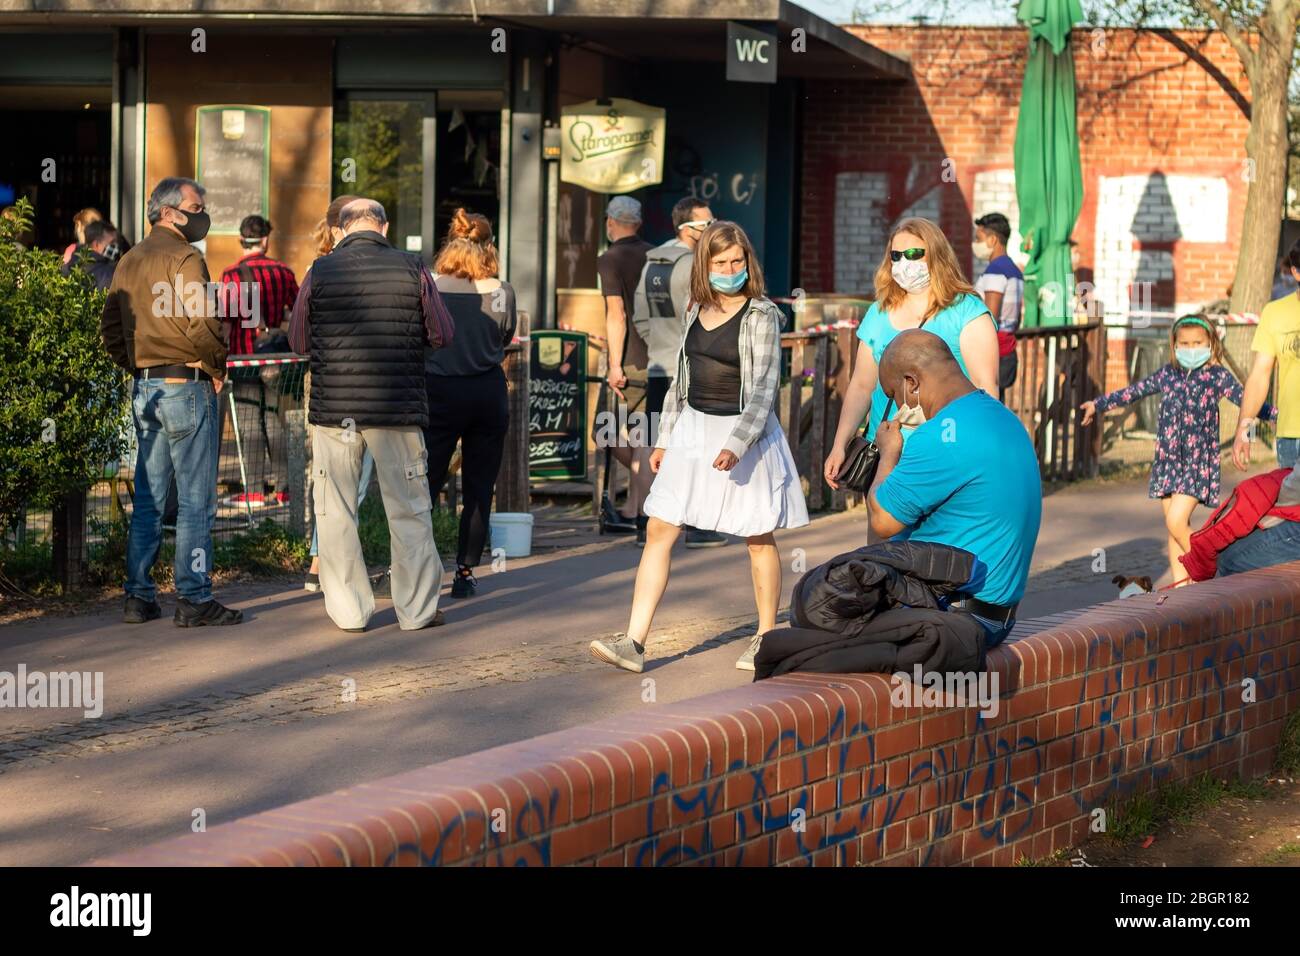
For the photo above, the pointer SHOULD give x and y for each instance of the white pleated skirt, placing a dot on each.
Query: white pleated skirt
(760, 494)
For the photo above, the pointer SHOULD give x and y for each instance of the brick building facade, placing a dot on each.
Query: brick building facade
(1162, 142)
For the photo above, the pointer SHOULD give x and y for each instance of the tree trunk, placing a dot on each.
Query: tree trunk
(1266, 171)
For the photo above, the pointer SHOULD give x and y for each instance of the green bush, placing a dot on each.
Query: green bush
(28, 567)
(62, 400)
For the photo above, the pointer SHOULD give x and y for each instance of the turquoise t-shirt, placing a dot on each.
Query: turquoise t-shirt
(876, 330)
(968, 478)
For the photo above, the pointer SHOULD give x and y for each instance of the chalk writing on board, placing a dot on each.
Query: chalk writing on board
(557, 405)
(232, 163)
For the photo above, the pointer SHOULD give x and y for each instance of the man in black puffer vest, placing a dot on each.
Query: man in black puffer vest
(365, 314)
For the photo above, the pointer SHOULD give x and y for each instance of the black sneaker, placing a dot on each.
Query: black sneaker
(138, 610)
(695, 538)
(382, 583)
(464, 584)
(312, 583)
(208, 614)
(641, 523)
(611, 522)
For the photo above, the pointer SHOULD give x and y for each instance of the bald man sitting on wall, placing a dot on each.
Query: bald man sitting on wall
(967, 477)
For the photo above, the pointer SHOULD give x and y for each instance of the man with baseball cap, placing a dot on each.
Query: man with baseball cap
(619, 268)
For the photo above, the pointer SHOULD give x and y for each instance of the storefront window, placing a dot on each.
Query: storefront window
(378, 153)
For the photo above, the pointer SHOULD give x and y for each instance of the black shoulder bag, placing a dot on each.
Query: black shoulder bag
(862, 456)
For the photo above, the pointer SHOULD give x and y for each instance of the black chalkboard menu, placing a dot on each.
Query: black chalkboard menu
(233, 163)
(557, 405)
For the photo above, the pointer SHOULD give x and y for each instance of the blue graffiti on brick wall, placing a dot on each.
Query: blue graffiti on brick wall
(979, 775)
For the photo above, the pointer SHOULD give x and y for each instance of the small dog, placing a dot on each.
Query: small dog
(1131, 586)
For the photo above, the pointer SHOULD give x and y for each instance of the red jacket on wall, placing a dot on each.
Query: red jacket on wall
(1234, 519)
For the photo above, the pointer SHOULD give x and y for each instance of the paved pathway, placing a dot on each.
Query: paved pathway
(236, 720)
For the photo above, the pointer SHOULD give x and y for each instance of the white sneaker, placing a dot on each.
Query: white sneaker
(746, 661)
(619, 651)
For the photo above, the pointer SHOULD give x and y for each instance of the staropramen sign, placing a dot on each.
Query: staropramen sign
(612, 146)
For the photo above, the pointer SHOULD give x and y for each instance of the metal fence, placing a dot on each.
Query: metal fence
(263, 464)
(1128, 435)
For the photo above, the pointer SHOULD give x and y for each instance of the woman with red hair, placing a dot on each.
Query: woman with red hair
(466, 383)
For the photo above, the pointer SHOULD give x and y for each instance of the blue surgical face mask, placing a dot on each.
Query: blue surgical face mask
(1192, 358)
(729, 283)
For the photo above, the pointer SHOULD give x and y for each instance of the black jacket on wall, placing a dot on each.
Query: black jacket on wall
(882, 608)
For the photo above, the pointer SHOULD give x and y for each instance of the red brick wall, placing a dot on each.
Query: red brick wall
(1096, 707)
(1144, 107)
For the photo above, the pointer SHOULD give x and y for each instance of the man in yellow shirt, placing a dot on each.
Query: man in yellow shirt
(1276, 342)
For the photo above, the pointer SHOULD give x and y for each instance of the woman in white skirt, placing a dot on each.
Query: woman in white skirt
(721, 461)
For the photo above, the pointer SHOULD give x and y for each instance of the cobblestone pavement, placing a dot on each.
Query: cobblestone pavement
(372, 687)
(334, 693)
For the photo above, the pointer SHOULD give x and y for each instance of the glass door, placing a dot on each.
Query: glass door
(384, 148)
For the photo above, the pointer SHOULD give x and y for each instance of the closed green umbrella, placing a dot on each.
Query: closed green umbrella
(1049, 181)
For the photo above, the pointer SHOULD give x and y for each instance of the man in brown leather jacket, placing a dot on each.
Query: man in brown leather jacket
(159, 325)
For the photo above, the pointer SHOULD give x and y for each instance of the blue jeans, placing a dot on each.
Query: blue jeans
(367, 469)
(176, 434)
(1288, 450)
(1262, 548)
(995, 633)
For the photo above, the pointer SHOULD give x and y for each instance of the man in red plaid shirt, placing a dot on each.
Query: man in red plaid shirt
(277, 289)
(250, 318)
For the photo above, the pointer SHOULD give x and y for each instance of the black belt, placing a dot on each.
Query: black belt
(173, 371)
(997, 613)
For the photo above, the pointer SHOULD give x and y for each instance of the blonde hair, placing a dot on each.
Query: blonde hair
(468, 251)
(1216, 341)
(83, 219)
(947, 281)
(717, 239)
(321, 233)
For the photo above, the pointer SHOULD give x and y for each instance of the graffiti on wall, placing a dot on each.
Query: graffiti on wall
(992, 776)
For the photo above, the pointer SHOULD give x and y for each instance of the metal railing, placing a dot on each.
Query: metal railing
(263, 469)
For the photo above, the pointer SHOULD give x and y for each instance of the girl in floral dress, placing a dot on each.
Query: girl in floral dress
(1186, 466)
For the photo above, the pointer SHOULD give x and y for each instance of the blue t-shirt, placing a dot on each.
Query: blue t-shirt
(968, 478)
(877, 331)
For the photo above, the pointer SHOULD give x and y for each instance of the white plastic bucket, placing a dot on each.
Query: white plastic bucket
(512, 531)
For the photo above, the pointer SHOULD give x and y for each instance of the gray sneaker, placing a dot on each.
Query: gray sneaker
(619, 651)
(746, 662)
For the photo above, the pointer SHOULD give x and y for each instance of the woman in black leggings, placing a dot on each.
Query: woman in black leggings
(466, 384)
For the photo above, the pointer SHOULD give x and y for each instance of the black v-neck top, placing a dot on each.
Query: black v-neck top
(714, 357)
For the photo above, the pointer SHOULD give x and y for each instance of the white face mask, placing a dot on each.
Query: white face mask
(912, 276)
(910, 416)
(982, 250)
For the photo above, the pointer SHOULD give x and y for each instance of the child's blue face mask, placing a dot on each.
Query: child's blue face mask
(1192, 358)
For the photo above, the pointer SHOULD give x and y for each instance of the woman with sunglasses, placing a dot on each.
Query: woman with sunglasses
(918, 285)
(721, 460)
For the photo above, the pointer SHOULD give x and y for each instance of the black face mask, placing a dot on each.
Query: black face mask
(196, 226)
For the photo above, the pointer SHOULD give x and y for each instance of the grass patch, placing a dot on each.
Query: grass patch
(1052, 859)
(1174, 803)
(267, 549)
(372, 526)
(1283, 854)
(1288, 748)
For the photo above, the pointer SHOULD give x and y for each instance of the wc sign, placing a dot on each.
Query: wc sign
(751, 53)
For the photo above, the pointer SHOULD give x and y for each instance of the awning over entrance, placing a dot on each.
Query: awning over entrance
(678, 31)
(662, 30)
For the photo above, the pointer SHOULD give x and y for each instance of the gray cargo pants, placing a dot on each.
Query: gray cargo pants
(401, 464)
